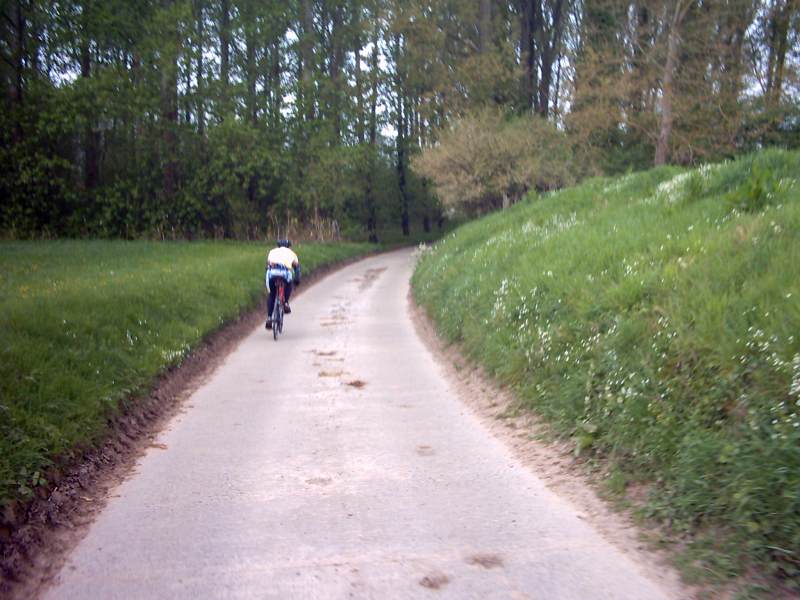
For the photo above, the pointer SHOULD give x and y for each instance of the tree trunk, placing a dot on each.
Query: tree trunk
(778, 46)
(557, 90)
(250, 73)
(524, 45)
(169, 107)
(549, 49)
(200, 28)
(18, 93)
(275, 83)
(402, 133)
(336, 67)
(638, 61)
(90, 139)
(673, 46)
(187, 98)
(224, 53)
(373, 100)
(373, 137)
(307, 59)
(530, 25)
(359, 80)
(485, 26)
(401, 166)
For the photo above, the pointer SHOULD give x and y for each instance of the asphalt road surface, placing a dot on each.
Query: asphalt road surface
(339, 463)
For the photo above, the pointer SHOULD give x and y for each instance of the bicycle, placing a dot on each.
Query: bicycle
(277, 310)
(279, 281)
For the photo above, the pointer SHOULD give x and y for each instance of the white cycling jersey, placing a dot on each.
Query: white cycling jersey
(283, 256)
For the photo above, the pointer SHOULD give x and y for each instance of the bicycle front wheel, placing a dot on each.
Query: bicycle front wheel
(277, 317)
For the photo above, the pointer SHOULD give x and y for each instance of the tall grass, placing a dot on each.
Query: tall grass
(84, 326)
(655, 318)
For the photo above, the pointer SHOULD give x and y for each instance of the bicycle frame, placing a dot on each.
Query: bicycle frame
(277, 309)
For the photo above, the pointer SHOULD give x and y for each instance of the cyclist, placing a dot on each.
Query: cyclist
(281, 262)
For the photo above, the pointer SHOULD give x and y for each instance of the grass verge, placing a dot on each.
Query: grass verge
(86, 326)
(654, 319)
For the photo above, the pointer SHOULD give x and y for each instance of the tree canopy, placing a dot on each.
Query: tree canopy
(231, 118)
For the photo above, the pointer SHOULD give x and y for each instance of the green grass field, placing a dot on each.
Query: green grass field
(85, 325)
(655, 320)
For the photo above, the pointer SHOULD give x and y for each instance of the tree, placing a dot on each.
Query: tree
(116, 115)
(486, 161)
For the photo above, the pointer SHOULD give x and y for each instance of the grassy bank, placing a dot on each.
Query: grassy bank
(655, 319)
(86, 325)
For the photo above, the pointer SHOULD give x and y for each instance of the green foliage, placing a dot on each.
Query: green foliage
(654, 318)
(487, 160)
(86, 326)
(116, 123)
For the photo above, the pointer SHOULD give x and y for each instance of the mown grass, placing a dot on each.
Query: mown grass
(86, 326)
(655, 319)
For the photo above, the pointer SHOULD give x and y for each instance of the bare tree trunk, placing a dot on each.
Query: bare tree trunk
(485, 26)
(307, 59)
(401, 180)
(90, 140)
(336, 66)
(373, 100)
(373, 136)
(187, 99)
(638, 62)
(224, 53)
(359, 80)
(557, 91)
(531, 13)
(402, 135)
(275, 85)
(549, 49)
(673, 46)
(250, 74)
(201, 108)
(18, 93)
(778, 46)
(169, 109)
(524, 47)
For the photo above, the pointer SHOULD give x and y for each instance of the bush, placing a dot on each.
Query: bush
(487, 161)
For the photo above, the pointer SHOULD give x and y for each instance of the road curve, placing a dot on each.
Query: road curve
(339, 463)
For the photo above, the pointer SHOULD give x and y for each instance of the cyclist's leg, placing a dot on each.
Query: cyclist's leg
(271, 299)
(287, 293)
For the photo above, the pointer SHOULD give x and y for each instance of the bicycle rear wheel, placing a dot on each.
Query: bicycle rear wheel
(277, 311)
(275, 323)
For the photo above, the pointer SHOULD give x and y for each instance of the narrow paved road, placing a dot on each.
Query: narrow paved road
(339, 463)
